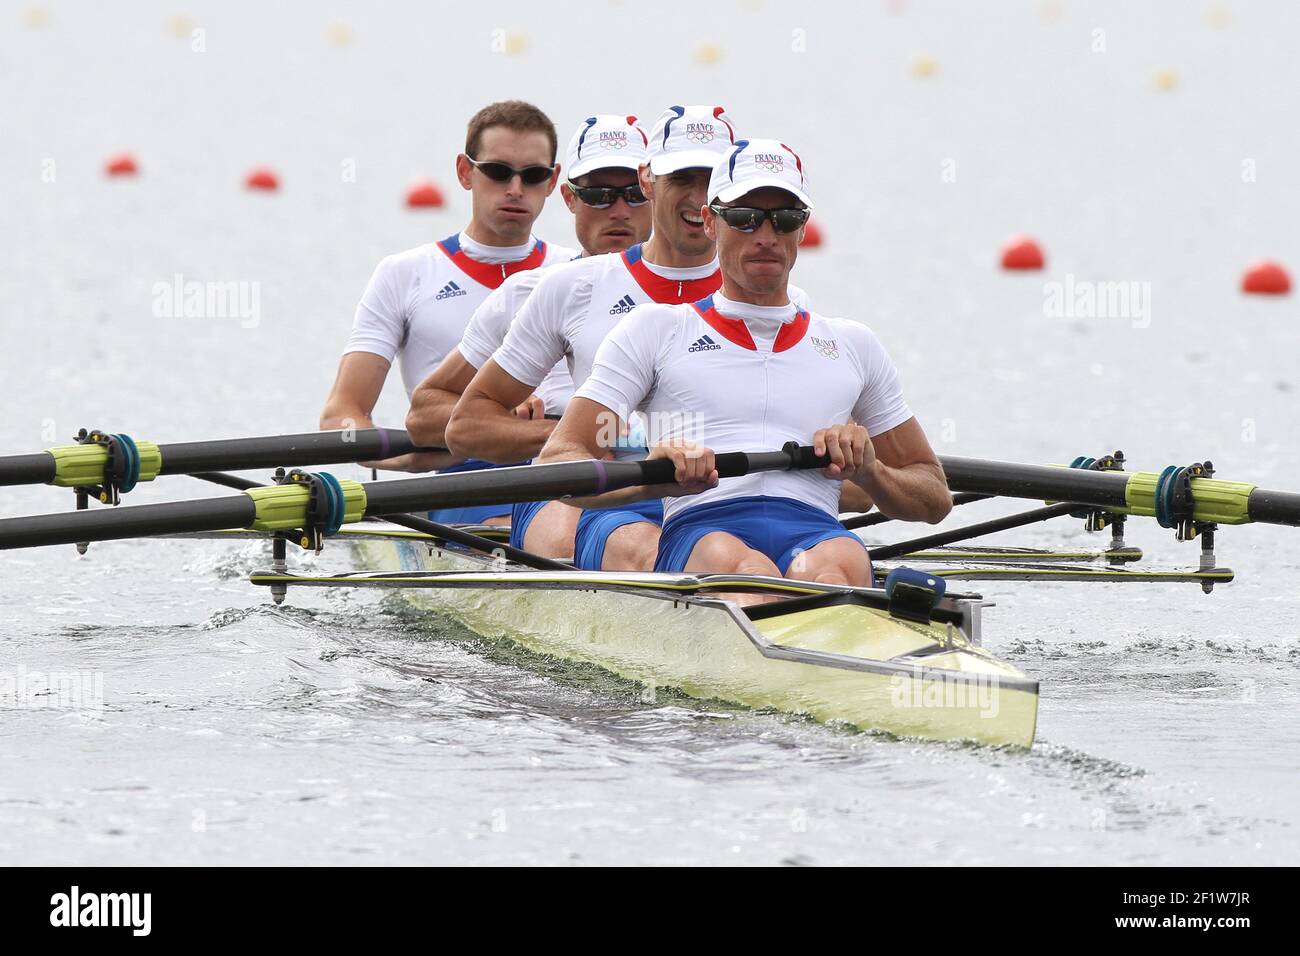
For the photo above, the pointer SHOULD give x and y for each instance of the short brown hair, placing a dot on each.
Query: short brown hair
(512, 114)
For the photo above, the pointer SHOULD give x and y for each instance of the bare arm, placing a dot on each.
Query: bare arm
(854, 499)
(494, 419)
(898, 469)
(435, 397)
(352, 400)
(585, 432)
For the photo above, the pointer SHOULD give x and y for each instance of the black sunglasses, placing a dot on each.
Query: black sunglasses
(503, 172)
(748, 219)
(602, 197)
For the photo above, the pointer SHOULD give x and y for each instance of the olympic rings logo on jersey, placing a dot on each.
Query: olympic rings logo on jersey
(825, 347)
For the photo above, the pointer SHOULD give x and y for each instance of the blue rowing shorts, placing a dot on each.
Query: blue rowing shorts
(780, 528)
(521, 516)
(595, 525)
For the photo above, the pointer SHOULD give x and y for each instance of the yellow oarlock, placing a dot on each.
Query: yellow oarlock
(80, 466)
(1222, 502)
(284, 507)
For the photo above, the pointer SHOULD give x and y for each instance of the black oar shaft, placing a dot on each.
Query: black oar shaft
(309, 448)
(1101, 488)
(940, 538)
(477, 542)
(34, 469)
(545, 482)
(237, 454)
(1240, 502)
(1275, 507)
(140, 521)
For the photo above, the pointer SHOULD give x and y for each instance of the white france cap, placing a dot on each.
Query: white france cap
(687, 137)
(755, 163)
(605, 141)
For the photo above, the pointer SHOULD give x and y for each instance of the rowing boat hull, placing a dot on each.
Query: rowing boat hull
(708, 648)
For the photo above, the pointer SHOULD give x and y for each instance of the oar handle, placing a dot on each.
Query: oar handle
(731, 464)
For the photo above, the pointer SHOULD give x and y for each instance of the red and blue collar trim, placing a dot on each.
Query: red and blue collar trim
(490, 274)
(736, 332)
(668, 291)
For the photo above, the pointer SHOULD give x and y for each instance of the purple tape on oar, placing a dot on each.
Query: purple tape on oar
(383, 442)
(602, 479)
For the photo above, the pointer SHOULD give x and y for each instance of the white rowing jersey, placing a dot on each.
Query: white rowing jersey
(739, 377)
(487, 329)
(575, 305)
(418, 302)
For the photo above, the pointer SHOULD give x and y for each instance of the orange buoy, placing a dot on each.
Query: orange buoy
(260, 177)
(424, 193)
(121, 164)
(708, 54)
(1266, 277)
(1022, 252)
(812, 236)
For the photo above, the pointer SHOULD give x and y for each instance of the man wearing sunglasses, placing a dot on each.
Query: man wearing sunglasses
(567, 317)
(418, 302)
(749, 369)
(609, 214)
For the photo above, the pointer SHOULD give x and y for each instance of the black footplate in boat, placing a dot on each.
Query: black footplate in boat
(913, 595)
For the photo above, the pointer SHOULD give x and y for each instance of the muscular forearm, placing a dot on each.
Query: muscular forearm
(853, 498)
(431, 408)
(341, 416)
(480, 428)
(917, 492)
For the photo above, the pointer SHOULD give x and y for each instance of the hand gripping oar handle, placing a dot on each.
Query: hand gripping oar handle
(284, 507)
(734, 463)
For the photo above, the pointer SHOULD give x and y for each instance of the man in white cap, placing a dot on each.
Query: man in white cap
(418, 302)
(567, 317)
(610, 213)
(748, 369)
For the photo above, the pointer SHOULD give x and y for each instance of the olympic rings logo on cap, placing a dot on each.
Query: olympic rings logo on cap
(699, 133)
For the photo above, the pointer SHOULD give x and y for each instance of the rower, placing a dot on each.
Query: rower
(610, 213)
(418, 302)
(745, 368)
(568, 315)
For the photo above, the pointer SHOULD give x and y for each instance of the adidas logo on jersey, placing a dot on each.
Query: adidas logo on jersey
(704, 344)
(450, 290)
(623, 306)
